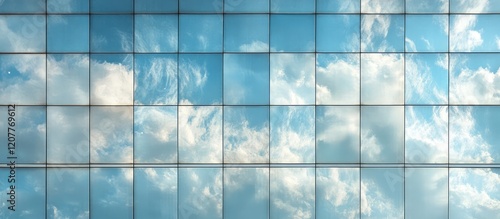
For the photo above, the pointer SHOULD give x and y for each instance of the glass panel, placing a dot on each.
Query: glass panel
(337, 79)
(111, 134)
(426, 78)
(292, 193)
(111, 192)
(474, 192)
(382, 79)
(111, 33)
(22, 79)
(292, 79)
(337, 193)
(111, 80)
(200, 6)
(200, 193)
(107, 6)
(292, 134)
(155, 134)
(200, 134)
(246, 193)
(246, 79)
(68, 79)
(426, 134)
(68, 193)
(337, 134)
(27, 197)
(382, 6)
(382, 33)
(474, 33)
(426, 33)
(474, 79)
(474, 134)
(29, 124)
(155, 193)
(22, 6)
(293, 6)
(474, 6)
(337, 6)
(200, 79)
(235, 6)
(68, 33)
(155, 33)
(246, 33)
(382, 134)
(68, 6)
(246, 134)
(22, 33)
(382, 193)
(156, 6)
(427, 6)
(155, 79)
(426, 193)
(200, 33)
(298, 37)
(337, 33)
(67, 134)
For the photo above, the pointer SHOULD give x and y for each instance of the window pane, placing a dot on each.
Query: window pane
(200, 6)
(426, 193)
(111, 192)
(29, 192)
(292, 79)
(426, 78)
(68, 79)
(68, 33)
(246, 134)
(107, 6)
(286, 200)
(111, 33)
(382, 78)
(246, 33)
(67, 6)
(340, 6)
(155, 193)
(426, 33)
(23, 79)
(22, 6)
(231, 6)
(155, 33)
(200, 79)
(382, 6)
(474, 33)
(111, 80)
(382, 33)
(337, 134)
(156, 6)
(155, 134)
(200, 33)
(246, 193)
(473, 6)
(298, 37)
(382, 193)
(23, 33)
(294, 6)
(337, 33)
(427, 6)
(337, 79)
(155, 79)
(68, 193)
(337, 191)
(200, 193)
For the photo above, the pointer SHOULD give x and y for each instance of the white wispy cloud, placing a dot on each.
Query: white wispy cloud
(382, 6)
(111, 83)
(201, 193)
(338, 190)
(68, 79)
(373, 26)
(156, 82)
(292, 192)
(338, 81)
(292, 79)
(155, 33)
(382, 78)
(29, 86)
(421, 81)
(410, 45)
(375, 203)
(463, 36)
(254, 46)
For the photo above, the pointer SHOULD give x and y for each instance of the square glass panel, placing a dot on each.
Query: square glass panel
(29, 193)
(111, 6)
(382, 6)
(191, 6)
(68, 79)
(338, 6)
(382, 193)
(111, 79)
(382, 78)
(427, 6)
(156, 6)
(68, 193)
(111, 136)
(246, 33)
(23, 33)
(200, 134)
(155, 134)
(155, 193)
(200, 79)
(474, 6)
(111, 33)
(111, 193)
(337, 79)
(246, 134)
(426, 78)
(474, 134)
(292, 134)
(292, 193)
(255, 6)
(337, 193)
(246, 79)
(426, 33)
(246, 193)
(337, 134)
(155, 81)
(337, 33)
(426, 193)
(68, 33)
(67, 6)
(22, 79)
(22, 6)
(200, 193)
(382, 134)
(28, 142)
(155, 33)
(292, 33)
(382, 33)
(474, 33)
(68, 134)
(292, 6)
(200, 33)
(292, 79)
(426, 134)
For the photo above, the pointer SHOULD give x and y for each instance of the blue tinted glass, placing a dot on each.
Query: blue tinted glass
(246, 193)
(285, 201)
(30, 185)
(337, 193)
(200, 6)
(426, 33)
(200, 193)
(234, 6)
(426, 192)
(22, 6)
(68, 193)
(23, 33)
(246, 33)
(68, 33)
(342, 6)
(382, 6)
(111, 33)
(292, 33)
(156, 6)
(67, 6)
(337, 33)
(200, 33)
(200, 79)
(292, 79)
(155, 79)
(427, 6)
(283, 6)
(111, 79)
(111, 6)
(337, 79)
(155, 193)
(111, 192)
(23, 79)
(68, 79)
(382, 185)
(382, 33)
(155, 33)
(426, 78)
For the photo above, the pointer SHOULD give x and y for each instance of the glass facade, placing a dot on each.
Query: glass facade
(250, 109)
